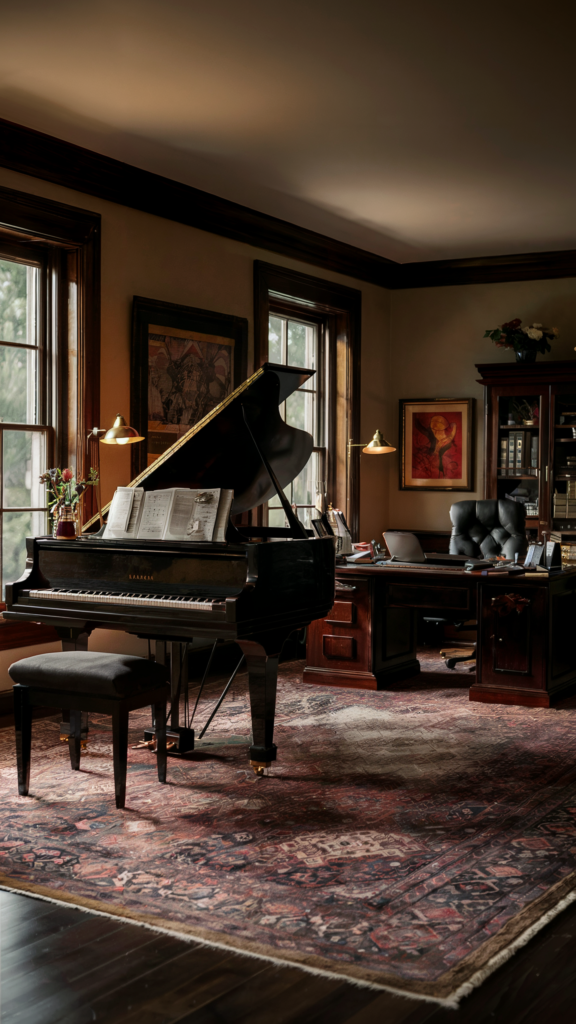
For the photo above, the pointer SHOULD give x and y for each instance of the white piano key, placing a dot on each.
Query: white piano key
(124, 598)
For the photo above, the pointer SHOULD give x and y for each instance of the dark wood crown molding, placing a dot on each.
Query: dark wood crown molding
(43, 156)
(531, 266)
(51, 159)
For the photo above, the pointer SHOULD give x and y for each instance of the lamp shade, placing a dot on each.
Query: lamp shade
(121, 433)
(378, 446)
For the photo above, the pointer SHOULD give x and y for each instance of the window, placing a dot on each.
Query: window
(297, 343)
(306, 321)
(23, 438)
(49, 366)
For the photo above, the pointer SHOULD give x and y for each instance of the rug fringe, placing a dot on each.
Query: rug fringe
(506, 954)
(447, 1003)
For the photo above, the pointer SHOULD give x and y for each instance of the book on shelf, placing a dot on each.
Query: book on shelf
(511, 451)
(174, 514)
(534, 452)
(503, 454)
(519, 450)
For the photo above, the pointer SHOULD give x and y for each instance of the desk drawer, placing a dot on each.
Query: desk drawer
(345, 635)
(409, 595)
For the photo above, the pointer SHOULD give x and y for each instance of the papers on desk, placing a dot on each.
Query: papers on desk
(178, 513)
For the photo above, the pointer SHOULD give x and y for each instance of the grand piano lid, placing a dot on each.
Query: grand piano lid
(224, 448)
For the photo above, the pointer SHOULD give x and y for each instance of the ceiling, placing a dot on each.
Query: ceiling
(420, 130)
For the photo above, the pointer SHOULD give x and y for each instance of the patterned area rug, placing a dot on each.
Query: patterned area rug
(404, 838)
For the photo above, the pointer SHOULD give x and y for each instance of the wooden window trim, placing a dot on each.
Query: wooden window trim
(69, 238)
(338, 309)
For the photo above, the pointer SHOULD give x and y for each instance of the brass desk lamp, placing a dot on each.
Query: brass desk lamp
(119, 433)
(377, 446)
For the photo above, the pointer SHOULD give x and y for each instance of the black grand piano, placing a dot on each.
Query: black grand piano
(255, 589)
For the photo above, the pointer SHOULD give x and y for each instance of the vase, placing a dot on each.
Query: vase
(66, 524)
(526, 355)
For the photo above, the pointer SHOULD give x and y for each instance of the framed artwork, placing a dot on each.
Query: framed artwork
(184, 362)
(436, 444)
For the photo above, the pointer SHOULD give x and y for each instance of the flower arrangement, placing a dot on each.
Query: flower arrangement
(64, 491)
(534, 338)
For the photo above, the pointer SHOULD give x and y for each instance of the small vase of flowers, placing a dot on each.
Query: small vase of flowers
(64, 494)
(526, 341)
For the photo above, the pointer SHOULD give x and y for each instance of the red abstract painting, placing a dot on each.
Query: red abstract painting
(437, 446)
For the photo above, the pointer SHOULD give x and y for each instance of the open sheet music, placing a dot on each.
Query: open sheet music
(177, 513)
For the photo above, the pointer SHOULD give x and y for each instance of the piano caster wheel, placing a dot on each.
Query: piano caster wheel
(259, 766)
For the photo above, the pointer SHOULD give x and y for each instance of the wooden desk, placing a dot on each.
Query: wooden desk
(526, 649)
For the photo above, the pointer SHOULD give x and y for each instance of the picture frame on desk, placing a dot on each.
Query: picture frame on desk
(184, 362)
(436, 444)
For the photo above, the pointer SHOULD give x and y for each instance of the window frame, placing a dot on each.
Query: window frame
(337, 311)
(319, 380)
(64, 241)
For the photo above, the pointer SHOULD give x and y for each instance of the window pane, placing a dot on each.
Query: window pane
(16, 526)
(17, 302)
(275, 325)
(304, 485)
(276, 517)
(301, 345)
(300, 412)
(18, 377)
(23, 460)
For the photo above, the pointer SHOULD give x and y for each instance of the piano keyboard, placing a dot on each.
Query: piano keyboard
(196, 604)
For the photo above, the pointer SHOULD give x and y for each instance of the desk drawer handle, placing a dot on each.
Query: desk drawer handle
(344, 586)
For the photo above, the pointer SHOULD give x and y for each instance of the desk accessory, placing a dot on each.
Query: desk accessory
(535, 556)
(553, 557)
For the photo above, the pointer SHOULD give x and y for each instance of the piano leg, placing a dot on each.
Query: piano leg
(73, 640)
(262, 678)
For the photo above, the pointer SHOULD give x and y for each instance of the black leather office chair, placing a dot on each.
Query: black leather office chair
(487, 528)
(484, 529)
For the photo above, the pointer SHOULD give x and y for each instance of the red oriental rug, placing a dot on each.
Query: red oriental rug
(407, 839)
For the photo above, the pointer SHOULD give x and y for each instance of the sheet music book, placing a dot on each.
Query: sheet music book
(202, 518)
(124, 514)
(155, 514)
(177, 513)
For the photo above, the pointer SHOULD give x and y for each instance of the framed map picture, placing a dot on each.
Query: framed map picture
(436, 444)
(185, 361)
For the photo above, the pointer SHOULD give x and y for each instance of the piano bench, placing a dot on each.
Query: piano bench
(109, 684)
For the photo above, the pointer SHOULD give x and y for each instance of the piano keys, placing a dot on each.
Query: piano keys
(255, 589)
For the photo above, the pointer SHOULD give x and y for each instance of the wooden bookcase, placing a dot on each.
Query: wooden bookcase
(544, 449)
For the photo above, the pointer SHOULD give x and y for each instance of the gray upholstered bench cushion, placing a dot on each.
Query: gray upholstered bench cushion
(111, 675)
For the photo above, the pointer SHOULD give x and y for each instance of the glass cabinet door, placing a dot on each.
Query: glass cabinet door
(563, 461)
(520, 454)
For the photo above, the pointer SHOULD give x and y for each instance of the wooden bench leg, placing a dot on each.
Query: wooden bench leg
(23, 723)
(74, 738)
(120, 752)
(160, 726)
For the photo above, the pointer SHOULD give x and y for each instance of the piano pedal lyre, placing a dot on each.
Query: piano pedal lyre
(178, 741)
(259, 767)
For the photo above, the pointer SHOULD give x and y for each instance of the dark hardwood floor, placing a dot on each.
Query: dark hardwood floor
(64, 965)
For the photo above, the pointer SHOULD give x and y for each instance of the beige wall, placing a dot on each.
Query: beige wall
(160, 259)
(436, 340)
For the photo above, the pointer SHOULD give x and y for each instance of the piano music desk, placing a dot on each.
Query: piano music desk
(526, 654)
